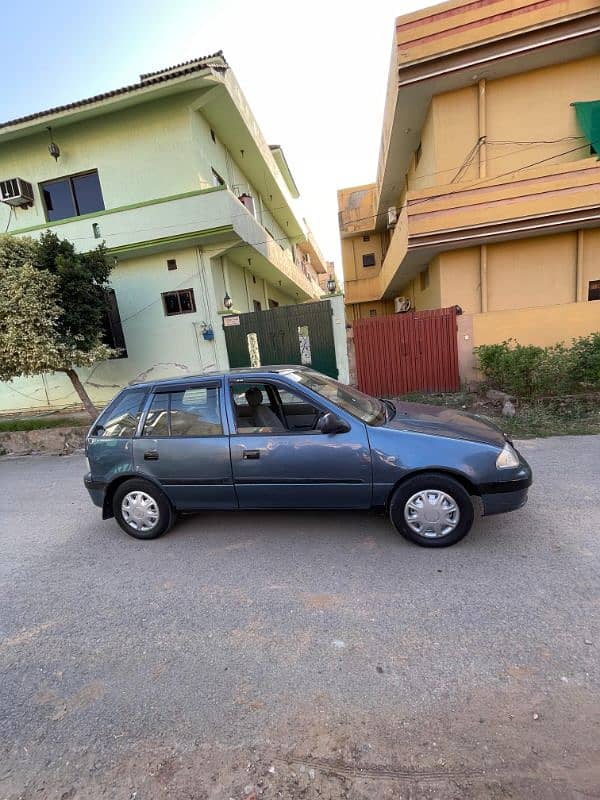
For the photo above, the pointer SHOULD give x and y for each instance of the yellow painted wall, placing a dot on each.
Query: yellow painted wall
(456, 132)
(591, 258)
(353, 250)
(522, 113)
(363, 310)
(539, 326)
(532, 272)
(422, 174)
(460, 281)
(424, 299)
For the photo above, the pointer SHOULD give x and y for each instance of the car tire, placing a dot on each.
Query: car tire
(142, 510)
(431, 510)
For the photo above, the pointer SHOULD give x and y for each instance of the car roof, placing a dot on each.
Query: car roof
(237, 372)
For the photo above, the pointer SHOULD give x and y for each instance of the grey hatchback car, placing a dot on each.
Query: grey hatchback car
(289, 437)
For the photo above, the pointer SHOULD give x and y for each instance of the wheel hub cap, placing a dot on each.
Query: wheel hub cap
(431, 513)
(140, 511)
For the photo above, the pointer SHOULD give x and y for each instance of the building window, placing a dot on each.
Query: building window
(424, 279)
(594, 290)
(171, 264)
(373, 312)
(368, 260)
(72, 196)
(216, 178)
(273, 303)
(366, 238)
(180, 302)
(112, 330)
(257, 305)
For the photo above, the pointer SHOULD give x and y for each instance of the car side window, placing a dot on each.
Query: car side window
(120, 420)
(270, 408)
(157, 418)
(190, 412)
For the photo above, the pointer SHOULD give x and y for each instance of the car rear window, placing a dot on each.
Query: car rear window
(120, 419)
(192, 412)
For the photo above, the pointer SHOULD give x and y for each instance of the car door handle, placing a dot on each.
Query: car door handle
(251, 454)
(151, 455)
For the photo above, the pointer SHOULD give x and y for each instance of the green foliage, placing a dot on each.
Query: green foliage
(41, 423)
(52, 304)
(81, 282)
(527, 371)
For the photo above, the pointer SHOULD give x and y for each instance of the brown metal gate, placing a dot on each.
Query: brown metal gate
(403, 353)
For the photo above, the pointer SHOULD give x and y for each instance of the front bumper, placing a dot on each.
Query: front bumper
(96, 489)
(503, 496)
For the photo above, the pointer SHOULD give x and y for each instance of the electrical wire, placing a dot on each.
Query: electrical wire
(473, 185)
(10, 213)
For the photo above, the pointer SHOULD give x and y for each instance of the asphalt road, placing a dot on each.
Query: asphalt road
(300, 654)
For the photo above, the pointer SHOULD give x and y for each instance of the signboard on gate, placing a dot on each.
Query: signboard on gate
(228, 321)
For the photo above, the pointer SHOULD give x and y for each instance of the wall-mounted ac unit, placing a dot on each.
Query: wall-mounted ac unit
(392, 216)
(401, 305)
(16, 192)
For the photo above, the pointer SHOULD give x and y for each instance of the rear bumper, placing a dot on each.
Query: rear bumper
(500, 497)
(96, 489)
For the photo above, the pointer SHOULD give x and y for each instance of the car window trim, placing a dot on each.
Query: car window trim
(159, 389)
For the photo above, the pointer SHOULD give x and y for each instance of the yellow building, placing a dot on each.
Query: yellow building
(488, 185)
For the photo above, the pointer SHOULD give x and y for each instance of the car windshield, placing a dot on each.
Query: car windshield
(360, 405)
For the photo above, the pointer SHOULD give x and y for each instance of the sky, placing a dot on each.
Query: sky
(314, 72)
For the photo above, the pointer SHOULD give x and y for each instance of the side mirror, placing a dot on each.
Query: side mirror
(331, 424)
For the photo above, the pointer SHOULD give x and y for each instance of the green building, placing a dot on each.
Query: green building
(175, 176)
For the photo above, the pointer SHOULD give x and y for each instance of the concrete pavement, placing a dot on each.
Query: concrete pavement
(300, 655)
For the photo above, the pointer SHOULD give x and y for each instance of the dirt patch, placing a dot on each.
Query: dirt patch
(497, 747)
(54, 441)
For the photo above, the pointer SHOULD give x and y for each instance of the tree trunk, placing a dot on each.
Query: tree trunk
(83, 395)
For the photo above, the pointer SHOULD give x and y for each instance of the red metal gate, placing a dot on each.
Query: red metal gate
(403, 353)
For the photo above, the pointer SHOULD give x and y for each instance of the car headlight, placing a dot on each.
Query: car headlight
(507, 458)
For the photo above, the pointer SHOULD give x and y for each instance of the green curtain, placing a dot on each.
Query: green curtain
(588, 116)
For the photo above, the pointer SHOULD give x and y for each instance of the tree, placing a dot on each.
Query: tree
(52, 306)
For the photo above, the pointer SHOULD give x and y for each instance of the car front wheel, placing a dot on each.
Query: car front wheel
(432, 510)
(142, 510)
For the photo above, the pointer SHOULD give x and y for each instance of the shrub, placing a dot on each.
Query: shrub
(529, 371)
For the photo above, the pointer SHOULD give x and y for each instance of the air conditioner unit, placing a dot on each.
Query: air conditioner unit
(401, 305)
(392, 216)
(16, 192)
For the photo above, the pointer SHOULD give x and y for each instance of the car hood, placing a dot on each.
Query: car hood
(442, 421)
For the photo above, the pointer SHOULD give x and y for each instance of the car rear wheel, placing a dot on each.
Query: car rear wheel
(142, 510)
(432, 510)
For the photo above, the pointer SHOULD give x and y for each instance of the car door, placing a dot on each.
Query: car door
(281, 468)
(184, 445)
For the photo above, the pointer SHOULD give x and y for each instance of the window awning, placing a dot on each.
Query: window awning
(588, 116)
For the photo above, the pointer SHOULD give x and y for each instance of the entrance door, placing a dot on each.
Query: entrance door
(280, 459)
(184, 446)
(301, 334)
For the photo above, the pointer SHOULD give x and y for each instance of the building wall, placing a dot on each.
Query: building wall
(163, 144)
(460, 279)
(158, 346)
(171, 153)
(521, 274)
(527, 118)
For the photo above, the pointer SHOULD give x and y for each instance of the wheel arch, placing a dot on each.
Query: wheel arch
(460, 477)
(118, 480)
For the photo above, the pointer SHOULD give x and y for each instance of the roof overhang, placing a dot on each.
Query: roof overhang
(285, 170)
(413, 85)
